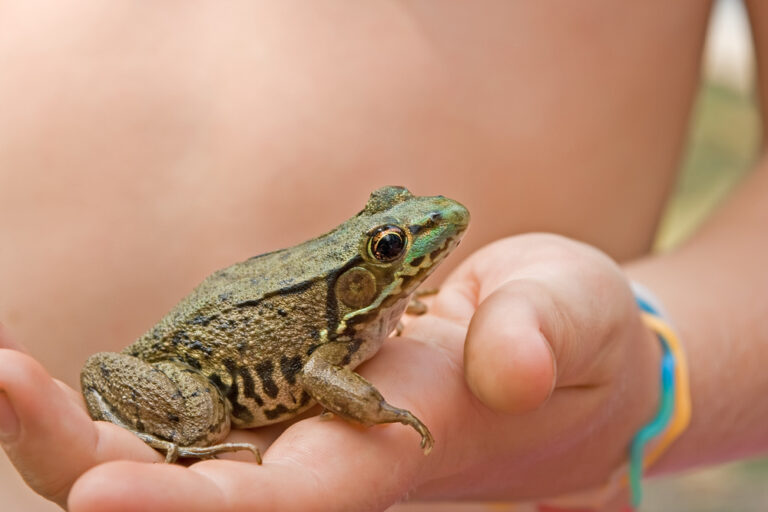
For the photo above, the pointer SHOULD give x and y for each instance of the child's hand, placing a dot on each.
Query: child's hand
(560, 373)
(556, 348)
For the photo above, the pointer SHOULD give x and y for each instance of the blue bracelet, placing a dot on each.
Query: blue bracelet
(664, 414)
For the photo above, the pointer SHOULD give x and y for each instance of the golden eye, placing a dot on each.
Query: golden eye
(387, 243)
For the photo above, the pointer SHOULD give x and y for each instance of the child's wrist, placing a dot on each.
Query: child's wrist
(665, 401)
(674, 409)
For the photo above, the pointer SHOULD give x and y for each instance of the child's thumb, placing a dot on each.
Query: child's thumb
(519, 346)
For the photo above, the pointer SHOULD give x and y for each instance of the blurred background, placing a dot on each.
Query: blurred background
(725, 128)
(722, 147)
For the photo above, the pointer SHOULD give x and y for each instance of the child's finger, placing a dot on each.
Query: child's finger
(75, 397)
(48, 437)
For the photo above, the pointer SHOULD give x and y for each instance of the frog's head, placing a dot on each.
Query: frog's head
(404, 238)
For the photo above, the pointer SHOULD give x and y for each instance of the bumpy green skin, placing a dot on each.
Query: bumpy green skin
(260, 341)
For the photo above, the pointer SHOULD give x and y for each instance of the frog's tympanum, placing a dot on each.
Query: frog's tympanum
(263, 340)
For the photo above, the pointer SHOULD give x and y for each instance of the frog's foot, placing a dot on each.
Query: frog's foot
(173, 451)
(392, 414)
(345, 393)
(417, 307)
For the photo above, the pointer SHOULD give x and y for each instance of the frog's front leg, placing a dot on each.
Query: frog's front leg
(169, 405)
(345, 393)
(415, 307)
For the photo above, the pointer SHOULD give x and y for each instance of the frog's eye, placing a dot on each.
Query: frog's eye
(387, 243)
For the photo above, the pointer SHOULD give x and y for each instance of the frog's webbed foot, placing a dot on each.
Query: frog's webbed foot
(173, 451)
(345, 393)
(417, 307)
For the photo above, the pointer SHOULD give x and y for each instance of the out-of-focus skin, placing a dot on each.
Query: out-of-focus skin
(143, 146)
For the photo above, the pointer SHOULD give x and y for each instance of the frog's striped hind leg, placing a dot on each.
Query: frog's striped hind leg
(169, 405)
(345, 393)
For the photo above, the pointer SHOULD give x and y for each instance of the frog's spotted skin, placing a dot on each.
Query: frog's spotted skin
(263, 340)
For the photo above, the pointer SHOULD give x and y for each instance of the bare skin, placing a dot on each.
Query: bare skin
(142, 147)
(194, 162)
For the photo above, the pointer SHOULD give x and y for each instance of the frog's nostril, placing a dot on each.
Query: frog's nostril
(459, 214)
(435, 216)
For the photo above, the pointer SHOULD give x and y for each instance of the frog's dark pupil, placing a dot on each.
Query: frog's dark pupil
(388, 245)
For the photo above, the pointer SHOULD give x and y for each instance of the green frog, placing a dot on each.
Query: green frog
(265, 339)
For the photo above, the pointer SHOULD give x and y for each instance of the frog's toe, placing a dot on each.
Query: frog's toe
(173, 451)
(407, 418)
(427, 441)
(415, 306)
(210, 452)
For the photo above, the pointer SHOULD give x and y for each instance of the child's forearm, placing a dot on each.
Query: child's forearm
(715, 290)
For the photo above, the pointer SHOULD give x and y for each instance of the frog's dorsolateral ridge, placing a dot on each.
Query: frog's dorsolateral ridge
(263, 340)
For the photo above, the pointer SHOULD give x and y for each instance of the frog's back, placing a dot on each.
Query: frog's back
(250, 328)
(250, 286)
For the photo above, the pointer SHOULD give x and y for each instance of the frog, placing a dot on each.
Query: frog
(266, 339)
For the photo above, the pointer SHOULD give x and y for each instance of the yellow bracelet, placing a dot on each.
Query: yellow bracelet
(675, 426)
(682, 416)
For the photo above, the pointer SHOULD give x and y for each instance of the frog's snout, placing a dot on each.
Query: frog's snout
(455, 214)
(460, 215)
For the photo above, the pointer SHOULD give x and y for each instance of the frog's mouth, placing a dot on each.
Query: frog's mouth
(417, 270)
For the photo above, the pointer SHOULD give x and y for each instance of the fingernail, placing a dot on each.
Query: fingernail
(9, 422)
